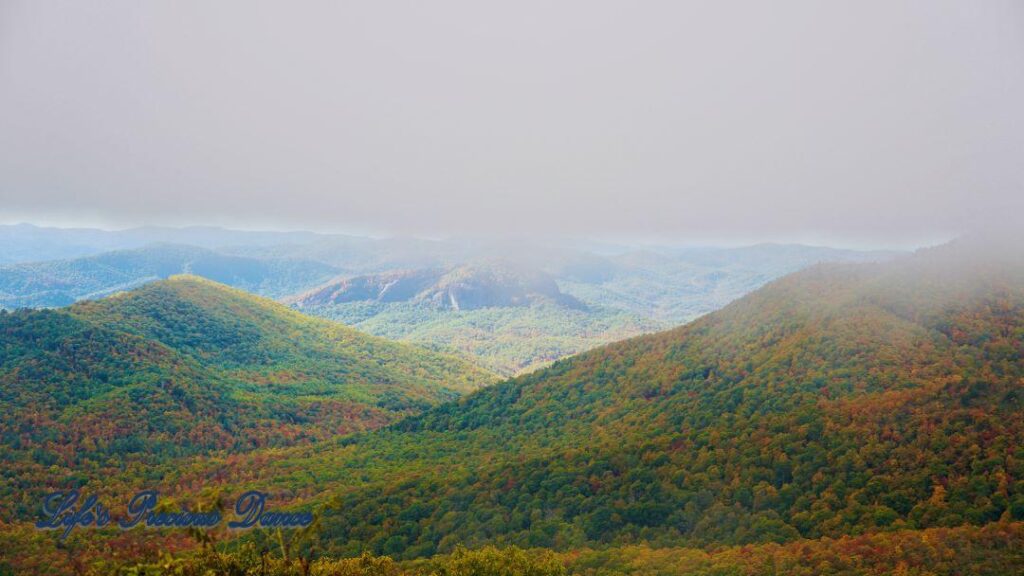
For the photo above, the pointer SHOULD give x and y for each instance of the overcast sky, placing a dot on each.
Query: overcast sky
(867, 121)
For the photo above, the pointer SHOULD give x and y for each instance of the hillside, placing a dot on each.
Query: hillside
(187, 367)
(227, 327)
(62, 282)
(839, 400)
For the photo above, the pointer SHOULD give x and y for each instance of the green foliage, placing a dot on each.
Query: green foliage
(491, 561)
(488, 561)
(257, 337)
(994, 550)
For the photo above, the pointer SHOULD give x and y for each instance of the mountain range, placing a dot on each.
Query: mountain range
(876, 401)
(62, 282)
(510, 306)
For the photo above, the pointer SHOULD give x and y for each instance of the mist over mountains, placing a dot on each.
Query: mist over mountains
(513, 306)
(580, 288)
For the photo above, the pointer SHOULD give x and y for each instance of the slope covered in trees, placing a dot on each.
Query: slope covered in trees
(992, 550)
(840, 400)
(251, 335)
(184, 368)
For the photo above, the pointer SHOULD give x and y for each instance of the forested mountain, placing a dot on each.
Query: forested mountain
(187, 367)
(839, 400)
(62, 282)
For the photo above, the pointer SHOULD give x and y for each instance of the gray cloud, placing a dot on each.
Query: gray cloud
(881, 120)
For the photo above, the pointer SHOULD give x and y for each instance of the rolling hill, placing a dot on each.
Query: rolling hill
(841, 400)
(186, 367)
